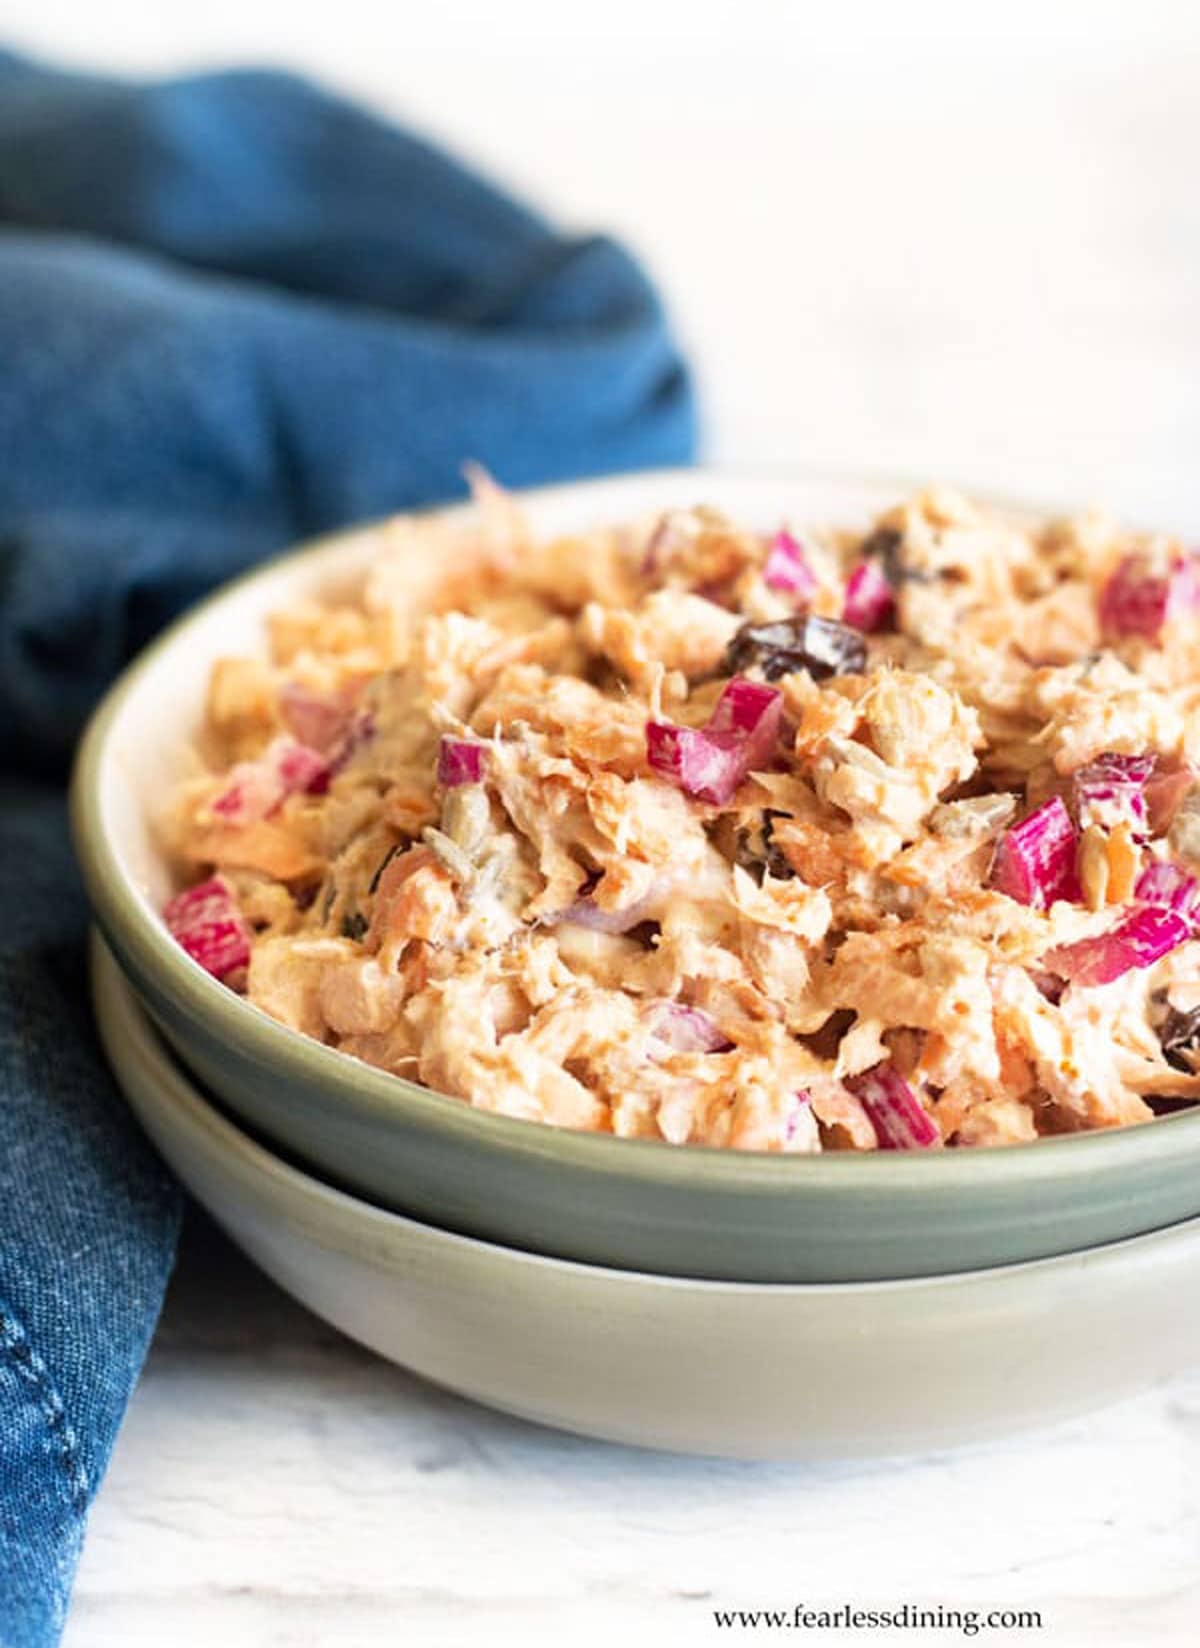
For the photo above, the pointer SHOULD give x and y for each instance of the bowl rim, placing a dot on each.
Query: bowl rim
(119, 1010)
(143, 943)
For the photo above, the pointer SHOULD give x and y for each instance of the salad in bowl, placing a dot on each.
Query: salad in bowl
(800, 840)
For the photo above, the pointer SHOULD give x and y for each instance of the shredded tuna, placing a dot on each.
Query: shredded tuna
(826, 839)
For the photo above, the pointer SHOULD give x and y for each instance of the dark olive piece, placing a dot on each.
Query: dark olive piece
(822, 646)
(886, 546)
(777, 865)
(1179, 1034)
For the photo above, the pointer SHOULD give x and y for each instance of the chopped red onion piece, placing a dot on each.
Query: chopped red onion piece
(1111, 790)
(869, 597)
(1142, 938)
(318, 719)
(894, 1110)
(300, 769)
(1139, 599)
(257, 788)
(1134, 601)
(1035, 860)
(459, 762)
(1165, 792)
(1131, 769)
(710, 762)
(688, 1029)
(754, 712)
(705, 765)
(787, 569)
(1171, 888)
(207, 923)
(253, 791)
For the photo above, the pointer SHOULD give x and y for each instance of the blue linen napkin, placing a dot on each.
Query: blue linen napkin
(234, 311)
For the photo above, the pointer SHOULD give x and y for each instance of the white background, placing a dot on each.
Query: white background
(953, 239)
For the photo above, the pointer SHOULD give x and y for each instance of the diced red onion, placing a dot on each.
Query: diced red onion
(1164, 793)
(1118, 768)
(894, 1110)
(253, 791)
(301, 770)
(787, 569)
(1171, 888)
(688, 1029)
(710, 762)
(1035, 860)
(1111, 790)
(705, 765)
(1134, 601)
(1142, 938)
(459, 762)
(257, 788)
(754, 713)
(317, 719)
(1138, 599)
(207, 923)
(869, 597)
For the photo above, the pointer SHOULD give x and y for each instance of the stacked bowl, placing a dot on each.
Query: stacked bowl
(703, 1300)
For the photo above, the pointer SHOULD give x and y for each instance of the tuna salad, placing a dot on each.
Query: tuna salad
(809, 839)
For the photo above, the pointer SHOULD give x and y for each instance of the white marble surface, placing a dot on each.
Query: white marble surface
(942, 238)
(276, 1485)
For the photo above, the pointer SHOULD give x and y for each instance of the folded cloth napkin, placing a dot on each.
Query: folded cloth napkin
(234, 311)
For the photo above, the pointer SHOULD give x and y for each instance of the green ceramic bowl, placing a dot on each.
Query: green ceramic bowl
(630, 1204)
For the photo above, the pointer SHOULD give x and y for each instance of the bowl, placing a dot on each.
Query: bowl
(741, 1369)
(627, 1203)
